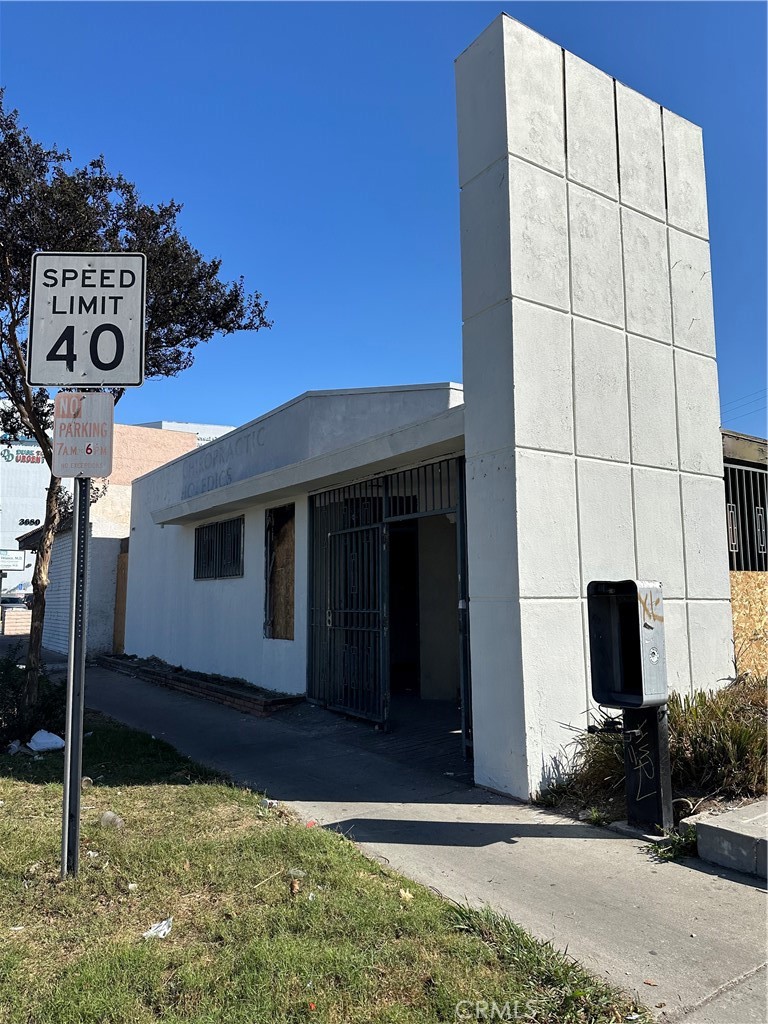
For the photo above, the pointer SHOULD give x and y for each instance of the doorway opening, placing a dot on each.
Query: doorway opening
(389, 625)
(424, 632)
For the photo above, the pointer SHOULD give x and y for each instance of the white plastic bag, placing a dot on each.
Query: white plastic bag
(159, 930)
(43, 740)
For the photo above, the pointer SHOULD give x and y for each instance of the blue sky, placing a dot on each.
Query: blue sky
(314, 148)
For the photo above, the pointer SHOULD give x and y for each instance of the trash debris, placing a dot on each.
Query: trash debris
(43, 740)
(311, 823)
(297, 873)
(85, 783)
(295, 886)
(14, 747)
(654, 984)
(406, 894)
(311, 896)
(18, 928)
(159, 930)
(632, 1016)
(268, 804)
(92, 853)
(111, 820)
(267, 879)
(133, 886)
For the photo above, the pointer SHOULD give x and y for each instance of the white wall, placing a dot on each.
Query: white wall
(209, 625)
(102, 572)
(591, 408)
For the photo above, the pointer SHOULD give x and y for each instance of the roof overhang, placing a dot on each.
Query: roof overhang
(437, 437)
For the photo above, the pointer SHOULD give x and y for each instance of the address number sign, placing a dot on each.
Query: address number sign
(86, 322)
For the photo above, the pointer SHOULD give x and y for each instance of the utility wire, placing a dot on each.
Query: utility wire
(737, 401)
(745, 405)
(753, 412)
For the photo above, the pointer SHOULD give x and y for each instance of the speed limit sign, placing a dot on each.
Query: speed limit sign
(86, 320)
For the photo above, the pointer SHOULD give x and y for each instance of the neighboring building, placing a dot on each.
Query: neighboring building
(24, 477)
(204, 432)
(746, 500)
(746, 503)
(136, 450)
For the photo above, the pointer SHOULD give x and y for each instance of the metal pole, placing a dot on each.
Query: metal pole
(78, 622)
(647, 764)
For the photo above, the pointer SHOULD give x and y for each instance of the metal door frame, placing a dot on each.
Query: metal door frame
(379, 490)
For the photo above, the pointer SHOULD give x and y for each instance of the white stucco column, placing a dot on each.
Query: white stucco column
(592, 423)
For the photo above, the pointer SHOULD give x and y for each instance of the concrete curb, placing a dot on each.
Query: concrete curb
(736, 839)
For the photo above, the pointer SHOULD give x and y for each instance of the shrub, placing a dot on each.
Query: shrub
(48, 711)
(718, 744)
(718, 741)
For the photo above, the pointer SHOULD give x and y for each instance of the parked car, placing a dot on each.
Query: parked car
(13, 601)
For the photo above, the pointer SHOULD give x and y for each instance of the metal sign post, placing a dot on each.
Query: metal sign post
(78, 630)
(82, 448)
(86, 330)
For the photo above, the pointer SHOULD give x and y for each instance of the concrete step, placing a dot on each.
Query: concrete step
(736, 839)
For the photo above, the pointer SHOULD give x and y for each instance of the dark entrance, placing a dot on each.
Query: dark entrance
(388, 597)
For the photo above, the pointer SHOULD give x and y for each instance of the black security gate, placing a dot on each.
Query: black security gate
(355, 620)
(349, 587)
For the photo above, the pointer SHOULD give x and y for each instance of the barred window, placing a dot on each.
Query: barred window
(219, 550)
(279, 556)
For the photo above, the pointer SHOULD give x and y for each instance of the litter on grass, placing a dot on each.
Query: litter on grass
(111, 820)
(159, 930)
(43, 740)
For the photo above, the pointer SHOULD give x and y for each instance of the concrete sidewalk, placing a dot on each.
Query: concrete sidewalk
(687, 939)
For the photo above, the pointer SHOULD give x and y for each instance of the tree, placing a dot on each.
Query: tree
(47, 206)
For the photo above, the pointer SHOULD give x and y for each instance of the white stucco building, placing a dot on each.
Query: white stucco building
(435, 543)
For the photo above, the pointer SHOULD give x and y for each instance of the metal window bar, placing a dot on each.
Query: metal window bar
(231, 547)
(219, 550)
(745, 498)
(205, 552)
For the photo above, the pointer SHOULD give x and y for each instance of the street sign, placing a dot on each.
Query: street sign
(83, 425)
(86, 320)
(11, 560)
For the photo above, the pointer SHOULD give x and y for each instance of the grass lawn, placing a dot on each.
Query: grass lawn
(355, 943)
